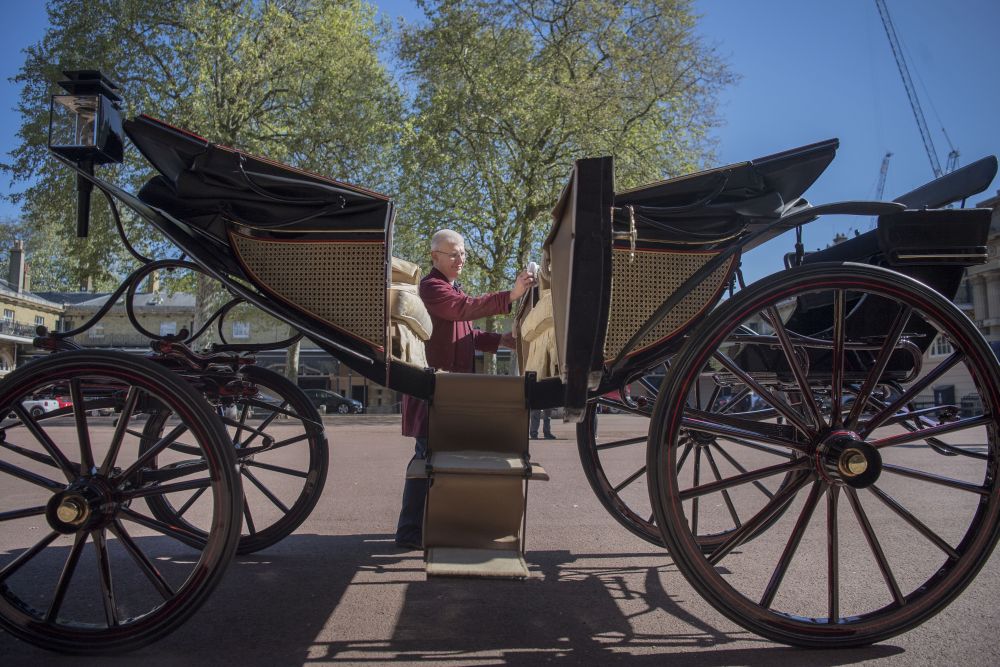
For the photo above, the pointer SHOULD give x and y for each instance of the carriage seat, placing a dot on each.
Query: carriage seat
(409, 322)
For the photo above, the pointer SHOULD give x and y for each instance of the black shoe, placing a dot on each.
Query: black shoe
(410, 545)
(549, 436)
(534, 436)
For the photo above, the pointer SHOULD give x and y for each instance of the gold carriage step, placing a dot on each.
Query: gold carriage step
(479, 468)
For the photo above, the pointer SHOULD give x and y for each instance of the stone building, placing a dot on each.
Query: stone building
(23, 312)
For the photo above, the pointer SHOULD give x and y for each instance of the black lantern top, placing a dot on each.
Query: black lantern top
(85, 124)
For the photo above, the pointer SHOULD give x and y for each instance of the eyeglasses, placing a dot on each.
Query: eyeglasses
(453, 256)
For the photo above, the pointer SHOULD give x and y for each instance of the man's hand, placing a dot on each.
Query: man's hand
(522, 284)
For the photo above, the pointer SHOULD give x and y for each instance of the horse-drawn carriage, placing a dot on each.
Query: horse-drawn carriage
(751, 405)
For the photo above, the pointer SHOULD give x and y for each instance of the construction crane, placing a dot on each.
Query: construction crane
(911, 92)
(880, 185)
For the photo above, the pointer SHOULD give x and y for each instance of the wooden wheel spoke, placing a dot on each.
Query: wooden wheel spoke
(16, 564)
(881, 361)
(908, 517)
(778, 404)
(736, 464)
(792, 545)
(69, 569)
(105, 580)
(175, 532)
(837, 363)
(876, 548)
(933, 431)
(152, 453)
(621, 443)
(695, 500)
(912, 391)
(730, 428)
(82, 431)
(70, 470)
(140, 559)
(796, 366)
(248, 517)
(29, 476)
(182, 510)
(687, 451)
(784, 496)
(263, 489)
(725, 493)
(163, 489)
(278, 469)
(743, 478)
(936, 479)
(22, 513)
(631, 478)
(832, 554)
(121, 429)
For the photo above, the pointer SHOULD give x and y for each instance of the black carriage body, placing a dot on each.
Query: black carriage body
(316, 250)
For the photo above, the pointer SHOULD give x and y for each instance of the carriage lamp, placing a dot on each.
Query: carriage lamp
(85, 127)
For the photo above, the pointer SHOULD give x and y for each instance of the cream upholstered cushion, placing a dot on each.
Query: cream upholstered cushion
(409, 322)
(406, 306)
(539, 319)
(538, 334)
(405, 272)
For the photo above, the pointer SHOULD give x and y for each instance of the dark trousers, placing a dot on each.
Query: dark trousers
(543, 417)
(411, 516)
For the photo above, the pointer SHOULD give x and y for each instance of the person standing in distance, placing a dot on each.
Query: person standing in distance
(452, 347)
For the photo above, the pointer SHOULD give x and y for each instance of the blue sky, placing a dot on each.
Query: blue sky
(809, 71)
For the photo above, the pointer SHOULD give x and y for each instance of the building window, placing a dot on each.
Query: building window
(941, 347)
(8, 316)
(39, 321)
(241, 329)
(168, 328)
(96, 331)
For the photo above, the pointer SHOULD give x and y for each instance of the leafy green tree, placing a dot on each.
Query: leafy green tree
(296, 80)
(508, 93)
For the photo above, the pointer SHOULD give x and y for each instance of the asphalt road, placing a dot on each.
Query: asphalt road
(339, 592)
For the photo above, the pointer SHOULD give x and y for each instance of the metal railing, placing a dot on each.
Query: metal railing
(13, 328)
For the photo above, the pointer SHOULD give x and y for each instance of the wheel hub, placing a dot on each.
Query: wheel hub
(87, 504)
(843, 457)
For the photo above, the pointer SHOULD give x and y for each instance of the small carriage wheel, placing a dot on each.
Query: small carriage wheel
(86, 568)
(282, 460)
(613, 455)
(882, 530)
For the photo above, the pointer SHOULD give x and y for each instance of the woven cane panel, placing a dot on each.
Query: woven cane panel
(638, 288)
(342, 284)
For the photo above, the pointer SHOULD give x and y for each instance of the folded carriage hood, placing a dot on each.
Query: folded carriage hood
(205, 184)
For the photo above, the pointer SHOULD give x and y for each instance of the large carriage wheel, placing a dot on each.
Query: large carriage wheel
(893, 503)
(84, 567)
(282, 456)
(612, 442)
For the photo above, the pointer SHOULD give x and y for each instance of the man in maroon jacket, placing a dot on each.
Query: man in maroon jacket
(451, 347)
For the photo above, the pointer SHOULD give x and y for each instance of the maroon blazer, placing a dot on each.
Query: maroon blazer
(453, 342)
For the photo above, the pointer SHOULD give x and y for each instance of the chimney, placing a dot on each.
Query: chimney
(87, 286)
(15, 275)
(27, 277)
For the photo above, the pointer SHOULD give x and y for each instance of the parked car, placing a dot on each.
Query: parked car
(37, 407)
(331, 401)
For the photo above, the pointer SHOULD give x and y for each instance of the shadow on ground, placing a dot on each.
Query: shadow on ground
(274, 608)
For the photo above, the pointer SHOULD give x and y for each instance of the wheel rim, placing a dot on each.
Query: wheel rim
(857, 477)
(88, 569)
(282, 462)
(613, 452)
